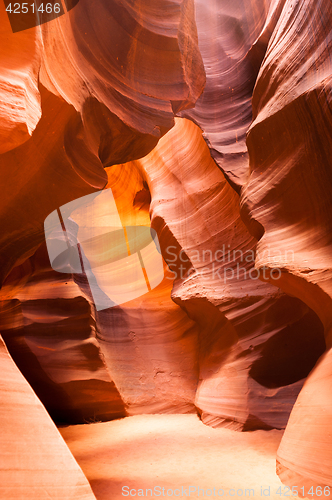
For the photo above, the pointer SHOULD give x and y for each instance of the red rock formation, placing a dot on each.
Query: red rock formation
(288, 201)
(49, 328)
(92, 58)
(39, 178)
(211, 255)
(126, 66)
(232, 39)
(304, 457)
(34, 461)
(149, 343)
(108, 78)
(55, 335)
(20, 58)
(100, 86)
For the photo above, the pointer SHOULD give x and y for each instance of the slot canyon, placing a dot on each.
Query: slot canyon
(166, 249)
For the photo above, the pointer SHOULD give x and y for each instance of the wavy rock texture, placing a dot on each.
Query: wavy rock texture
(150, 344)
(232, 39)
(105, 61)
(98, 88)
(289, 195)
(49, 328)
(95, 87)
(20, 59)
(126, 66)
(35, 461)
(304, 457)
(39, 177)
(243, 380)
(68, 351)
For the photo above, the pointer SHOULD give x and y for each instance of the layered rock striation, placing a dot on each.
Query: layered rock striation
(237, 189)
(232, 39)
(35, 461)
(287, 199)
(248, 328)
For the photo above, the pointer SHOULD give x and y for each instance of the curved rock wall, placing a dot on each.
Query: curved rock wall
(125, 70)
(240, 197)
(154, 351)
(232, 39)
(20, 57)
(103, 104)
(98, 86)
(212, 255)
(49, 328)
(35, 461)
(289, 195)
(149, 343)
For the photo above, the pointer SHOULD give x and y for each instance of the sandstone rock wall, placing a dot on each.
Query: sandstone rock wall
(240, 197)
(34, 461)
(289, 195)
(244, 382)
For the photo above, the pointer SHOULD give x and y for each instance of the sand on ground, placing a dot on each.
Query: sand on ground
(136, 457)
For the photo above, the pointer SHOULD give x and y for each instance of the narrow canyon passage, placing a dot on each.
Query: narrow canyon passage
(165, 249)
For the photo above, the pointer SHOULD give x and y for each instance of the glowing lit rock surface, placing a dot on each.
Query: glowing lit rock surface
(149, 343)
(34, 461)
(84, 101)
(248, 328)
(121, 72)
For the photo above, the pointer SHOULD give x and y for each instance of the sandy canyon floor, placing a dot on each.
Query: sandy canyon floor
(127, 458)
